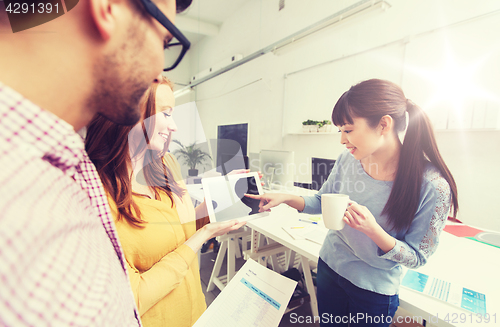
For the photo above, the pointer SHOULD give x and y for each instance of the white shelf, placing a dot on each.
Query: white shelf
(318, 133)
(467, 130)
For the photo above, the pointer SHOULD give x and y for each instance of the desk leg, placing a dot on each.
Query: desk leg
(237, 247)
(310, 285)
(217, 266)
(231, 252)
(255, 241)
(291, 260)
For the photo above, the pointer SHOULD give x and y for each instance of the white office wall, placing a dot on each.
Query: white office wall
(473, 159)
(181, 74)
(400, 44)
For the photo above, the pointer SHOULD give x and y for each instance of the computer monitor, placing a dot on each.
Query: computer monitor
(230, 161)
(254, 161)
(278, 168)
(232, 143)
(320, 169)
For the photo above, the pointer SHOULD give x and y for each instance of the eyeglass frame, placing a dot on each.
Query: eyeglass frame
(154, 11)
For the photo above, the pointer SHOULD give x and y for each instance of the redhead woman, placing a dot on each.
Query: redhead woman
(154, 215)
(401, 196)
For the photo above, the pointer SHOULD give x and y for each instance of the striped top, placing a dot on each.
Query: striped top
(62, 264)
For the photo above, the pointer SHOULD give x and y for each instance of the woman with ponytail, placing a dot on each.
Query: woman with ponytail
(401, 193)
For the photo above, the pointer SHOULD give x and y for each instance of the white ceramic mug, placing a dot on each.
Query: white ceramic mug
(333, 207)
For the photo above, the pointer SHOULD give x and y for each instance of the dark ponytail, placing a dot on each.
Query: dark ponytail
(373, 99)
(419, 146)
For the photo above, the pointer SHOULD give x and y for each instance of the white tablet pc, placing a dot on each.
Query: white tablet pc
(226, 200)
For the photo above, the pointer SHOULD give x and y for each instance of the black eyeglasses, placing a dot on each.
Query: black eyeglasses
(176, 50)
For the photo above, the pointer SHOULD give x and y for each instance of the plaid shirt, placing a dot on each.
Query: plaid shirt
(61, 263)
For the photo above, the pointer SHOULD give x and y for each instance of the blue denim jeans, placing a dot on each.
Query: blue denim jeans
(341, 303)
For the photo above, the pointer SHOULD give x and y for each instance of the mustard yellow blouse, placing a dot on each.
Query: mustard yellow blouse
(163, 272)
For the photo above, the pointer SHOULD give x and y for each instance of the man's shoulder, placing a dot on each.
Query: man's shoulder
(19, 162)
(28, 184)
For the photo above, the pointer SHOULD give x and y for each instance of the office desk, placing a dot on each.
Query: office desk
(271, 226)
(468, 263)
(458, 260)
(196, 192)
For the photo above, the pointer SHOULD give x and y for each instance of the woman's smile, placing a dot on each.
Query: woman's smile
(165, 136)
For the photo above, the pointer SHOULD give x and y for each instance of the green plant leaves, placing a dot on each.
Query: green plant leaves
(190, 155)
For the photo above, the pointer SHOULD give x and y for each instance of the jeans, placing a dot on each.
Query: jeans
(341, 303)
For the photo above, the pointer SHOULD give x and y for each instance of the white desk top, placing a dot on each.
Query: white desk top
(272, 226)
(196, 192)
(465, 262)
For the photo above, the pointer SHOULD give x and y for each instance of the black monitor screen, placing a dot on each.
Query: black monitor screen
(232, 142)
(321, 169)
(236, 132)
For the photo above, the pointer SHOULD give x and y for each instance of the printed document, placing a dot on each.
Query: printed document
(445, 291)
(256, 296)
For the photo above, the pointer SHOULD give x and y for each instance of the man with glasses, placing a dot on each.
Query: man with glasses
(62, 264)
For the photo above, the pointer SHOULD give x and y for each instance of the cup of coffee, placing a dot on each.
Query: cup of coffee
(333, 207)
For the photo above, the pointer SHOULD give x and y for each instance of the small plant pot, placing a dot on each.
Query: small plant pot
(193, 172)
(323, 129)
(305, 129)
(313, 128)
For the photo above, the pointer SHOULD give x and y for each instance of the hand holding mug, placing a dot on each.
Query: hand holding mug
(360, 218)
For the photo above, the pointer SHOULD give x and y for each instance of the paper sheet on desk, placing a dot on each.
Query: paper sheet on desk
(256, 296)
(298, 232)
(445, 291)
(317, 235)
(312, 232)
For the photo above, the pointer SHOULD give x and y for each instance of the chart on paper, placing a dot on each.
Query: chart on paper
(445, 291)
(254, 312)
(256, 296)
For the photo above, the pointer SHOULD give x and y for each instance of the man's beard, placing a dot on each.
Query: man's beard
(114, 97)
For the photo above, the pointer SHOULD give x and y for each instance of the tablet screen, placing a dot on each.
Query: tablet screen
(226, 200)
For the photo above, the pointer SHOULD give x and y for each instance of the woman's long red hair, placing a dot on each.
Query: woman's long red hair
(107, 145)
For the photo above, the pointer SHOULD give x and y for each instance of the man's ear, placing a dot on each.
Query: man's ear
(386, 124)
(104, 18)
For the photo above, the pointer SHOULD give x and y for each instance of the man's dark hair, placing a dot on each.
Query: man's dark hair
(183, 5)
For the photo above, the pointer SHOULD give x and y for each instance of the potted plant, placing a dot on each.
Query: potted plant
(191, 155)
(324, 126)
(328, 124)
(320, 126)
(309, 126)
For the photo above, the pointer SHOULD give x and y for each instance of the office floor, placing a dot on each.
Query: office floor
(207, 261)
